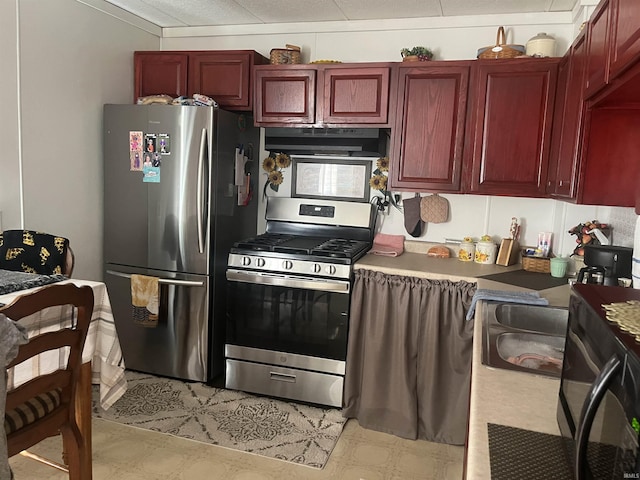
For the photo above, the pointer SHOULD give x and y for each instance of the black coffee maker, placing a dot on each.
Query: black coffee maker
(605, 264)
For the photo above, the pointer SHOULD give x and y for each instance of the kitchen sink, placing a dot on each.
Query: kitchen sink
(526, 338)
(534, 318)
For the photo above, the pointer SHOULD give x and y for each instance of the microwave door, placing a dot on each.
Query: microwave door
(592, 403)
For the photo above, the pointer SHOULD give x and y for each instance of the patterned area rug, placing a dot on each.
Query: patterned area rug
(286, 431)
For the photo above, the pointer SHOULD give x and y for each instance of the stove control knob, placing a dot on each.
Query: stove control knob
(260, 262)
(246, 261)
(331, 270)
(317, 268)
(287, 264)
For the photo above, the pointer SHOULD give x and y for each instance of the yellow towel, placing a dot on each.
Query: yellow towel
(144, 300)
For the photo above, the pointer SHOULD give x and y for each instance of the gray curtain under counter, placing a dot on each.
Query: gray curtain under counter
(409, 356)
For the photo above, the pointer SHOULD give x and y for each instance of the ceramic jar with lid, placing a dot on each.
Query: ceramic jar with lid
(467, 250)
(486, 251)
(542, 45)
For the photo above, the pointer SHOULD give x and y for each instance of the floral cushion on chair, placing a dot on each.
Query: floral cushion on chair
(32, 252)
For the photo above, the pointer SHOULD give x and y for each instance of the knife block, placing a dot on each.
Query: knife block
(508, 253)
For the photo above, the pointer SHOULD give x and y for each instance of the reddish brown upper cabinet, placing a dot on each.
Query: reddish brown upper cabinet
(599, 43)
(611, 169)
(568, 122)
(223, 75)
(512, 113)
(625, 35)
(160, 73)
(284, 96)
(356, 95)
(323, 95)
(428, 138)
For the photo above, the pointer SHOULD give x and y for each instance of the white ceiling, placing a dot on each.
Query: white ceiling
(191, 13)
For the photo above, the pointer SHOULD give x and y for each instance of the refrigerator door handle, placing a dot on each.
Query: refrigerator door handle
(162, 281)
(200, 190)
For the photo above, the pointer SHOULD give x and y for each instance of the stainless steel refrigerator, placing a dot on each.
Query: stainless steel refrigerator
(171, 212)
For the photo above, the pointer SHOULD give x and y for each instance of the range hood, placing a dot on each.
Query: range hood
(336, 141)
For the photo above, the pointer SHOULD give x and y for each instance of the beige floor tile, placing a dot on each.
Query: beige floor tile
(127, 453)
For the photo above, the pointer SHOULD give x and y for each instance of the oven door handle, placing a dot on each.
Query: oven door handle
(591, 404)
(286, 281)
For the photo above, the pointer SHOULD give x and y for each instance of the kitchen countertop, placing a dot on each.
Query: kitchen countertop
(415, 264)
(504, 397)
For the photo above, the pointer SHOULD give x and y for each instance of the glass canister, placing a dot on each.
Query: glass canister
(467, 250)
(485, 251)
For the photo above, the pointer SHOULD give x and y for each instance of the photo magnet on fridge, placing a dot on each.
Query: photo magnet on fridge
(151, 175)
(150, 142)
(135, 141)
(164, 144)
(135, 151)
(135, 158)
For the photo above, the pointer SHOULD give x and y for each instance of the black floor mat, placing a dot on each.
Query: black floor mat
(516, 453)
(525, 279)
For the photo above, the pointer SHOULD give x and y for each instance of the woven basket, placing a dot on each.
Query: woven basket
(285, 56)
(536, 264)
(500, 50)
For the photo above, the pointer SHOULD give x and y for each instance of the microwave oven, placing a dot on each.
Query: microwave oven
(599, 400)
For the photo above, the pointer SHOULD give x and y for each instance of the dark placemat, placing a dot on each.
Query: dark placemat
(518, 453)
(11, 281)
(525, 279)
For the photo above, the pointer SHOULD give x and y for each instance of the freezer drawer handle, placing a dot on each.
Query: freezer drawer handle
(282, 377)
(163, 281)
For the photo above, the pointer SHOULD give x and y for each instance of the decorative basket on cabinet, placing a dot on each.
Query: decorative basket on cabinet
(500, 49)
(285, 56)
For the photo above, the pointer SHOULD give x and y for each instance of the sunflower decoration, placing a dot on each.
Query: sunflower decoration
(274, 164)
(378, 181)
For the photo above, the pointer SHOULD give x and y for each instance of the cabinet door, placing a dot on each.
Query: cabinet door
(611, 167)
(570, 124)
(157, 73)
(284, 96)
(512, 114)
(558, 122)
(625, 39)
(223, 76)
(356, 95)
(599, 48)
(430, 123)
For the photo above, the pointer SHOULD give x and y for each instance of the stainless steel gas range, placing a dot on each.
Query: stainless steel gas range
(289, 288)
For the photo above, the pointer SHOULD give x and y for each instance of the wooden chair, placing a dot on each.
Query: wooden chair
(45, 405)
(35, 252)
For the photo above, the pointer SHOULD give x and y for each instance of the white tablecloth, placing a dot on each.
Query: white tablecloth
(102, 347)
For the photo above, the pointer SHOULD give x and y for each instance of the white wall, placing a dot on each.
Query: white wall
(454, 38)
(9, 165)
(67, 59)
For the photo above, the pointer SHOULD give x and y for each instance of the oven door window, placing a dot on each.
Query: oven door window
(292, 320)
